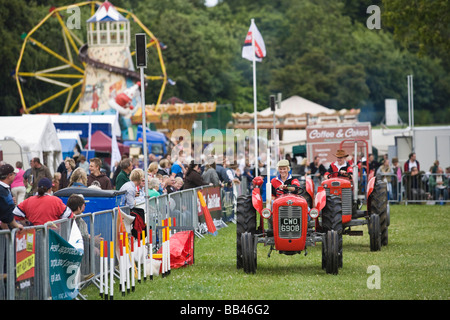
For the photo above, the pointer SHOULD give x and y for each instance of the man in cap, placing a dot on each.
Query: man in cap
(340, 167)
(7, 205)
(284, 182)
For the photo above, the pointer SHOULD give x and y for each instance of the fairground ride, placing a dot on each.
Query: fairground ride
(66, 65)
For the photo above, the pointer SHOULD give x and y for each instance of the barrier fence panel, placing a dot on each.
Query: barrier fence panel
(152, 217)
(34, 284)
(104, 228)
(432, 188)
(85, 223)
(6, 265)
(394, 187)
(94, 227)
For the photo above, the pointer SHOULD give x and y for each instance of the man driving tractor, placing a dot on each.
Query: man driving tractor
(340, 167)
(284, 182)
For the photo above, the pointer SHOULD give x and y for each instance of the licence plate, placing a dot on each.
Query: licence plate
(290, 222)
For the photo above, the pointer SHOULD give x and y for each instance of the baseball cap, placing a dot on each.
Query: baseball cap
(6, 169)
(45, 183)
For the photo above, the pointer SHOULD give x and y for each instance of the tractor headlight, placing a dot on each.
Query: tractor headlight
(314, 213)
(266, 213)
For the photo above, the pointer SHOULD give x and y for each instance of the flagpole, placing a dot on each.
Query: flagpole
(255, 119)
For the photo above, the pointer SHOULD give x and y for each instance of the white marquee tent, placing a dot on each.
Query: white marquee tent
(37, 137)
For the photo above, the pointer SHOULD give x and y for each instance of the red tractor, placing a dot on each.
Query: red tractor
(292, 227)
(344, 201)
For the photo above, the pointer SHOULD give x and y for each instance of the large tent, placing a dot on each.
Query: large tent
(36, 136)
(295, 113)
(100, 142)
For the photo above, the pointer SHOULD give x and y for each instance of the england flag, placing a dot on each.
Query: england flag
(260, 47)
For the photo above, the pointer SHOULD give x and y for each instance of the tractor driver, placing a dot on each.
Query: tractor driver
(284, 182)
(340, 167)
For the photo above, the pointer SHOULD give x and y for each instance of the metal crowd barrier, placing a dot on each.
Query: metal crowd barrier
(94, 227)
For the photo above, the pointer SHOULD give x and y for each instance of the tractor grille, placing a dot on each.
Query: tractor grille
(290, 222)
(346, 199)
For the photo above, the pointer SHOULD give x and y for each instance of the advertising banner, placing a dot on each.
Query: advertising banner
(64, 264)
(213, 202)
(25, 256)
(325, 140)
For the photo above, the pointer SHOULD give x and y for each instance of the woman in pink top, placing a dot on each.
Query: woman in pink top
(18, 187)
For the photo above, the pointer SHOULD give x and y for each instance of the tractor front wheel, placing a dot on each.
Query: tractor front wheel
(248, 252)
(374, 232)
(330, 252)
(245, 222)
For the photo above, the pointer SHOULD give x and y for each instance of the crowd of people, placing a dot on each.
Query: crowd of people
(22, 192)
(417, 184)
(26, 194)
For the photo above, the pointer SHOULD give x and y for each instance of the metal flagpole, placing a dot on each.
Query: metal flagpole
(141, 61)
(255, 118)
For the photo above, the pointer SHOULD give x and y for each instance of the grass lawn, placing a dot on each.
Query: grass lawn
(414, 266)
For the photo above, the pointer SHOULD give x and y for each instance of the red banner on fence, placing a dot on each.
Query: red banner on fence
(25, 254)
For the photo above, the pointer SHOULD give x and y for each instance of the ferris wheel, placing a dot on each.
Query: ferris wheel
(52, 72)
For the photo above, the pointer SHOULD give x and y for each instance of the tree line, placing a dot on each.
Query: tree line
(320, 50)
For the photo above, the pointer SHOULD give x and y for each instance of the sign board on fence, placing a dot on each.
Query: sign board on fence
(25, 255)
(213, 202)
(324, 140)
(64, 264)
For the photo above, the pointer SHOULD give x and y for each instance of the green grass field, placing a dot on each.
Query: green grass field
(414, 266)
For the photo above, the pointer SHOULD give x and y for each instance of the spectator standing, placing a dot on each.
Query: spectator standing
(123, 177)
(7, 205)
(178, 184)
(96, 175)
(152, 169)
(193, 178)
(43, 207)
(411, 163)
(78, 178)
(210, 175)
(131, 187)
(317, 169)
(397, 170)
(28, 179)
(55, 181)
(39, 171)
(178, 169)
(385, 172)
(170, 185)
(164, 167)
(373, 164)
(18, 189)
(66, 174)
(416, 192)
(153, 187)
(83, 164)
(439, 184)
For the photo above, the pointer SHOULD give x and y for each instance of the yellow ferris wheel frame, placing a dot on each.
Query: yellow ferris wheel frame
(51, 74)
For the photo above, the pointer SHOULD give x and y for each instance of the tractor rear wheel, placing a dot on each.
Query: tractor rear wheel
(332, 220)
(379, 205)
(330, 252)
(245, 222)
(374, 232)
(248, 252)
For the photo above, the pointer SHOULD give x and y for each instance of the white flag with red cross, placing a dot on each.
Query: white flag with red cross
(259, 50)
